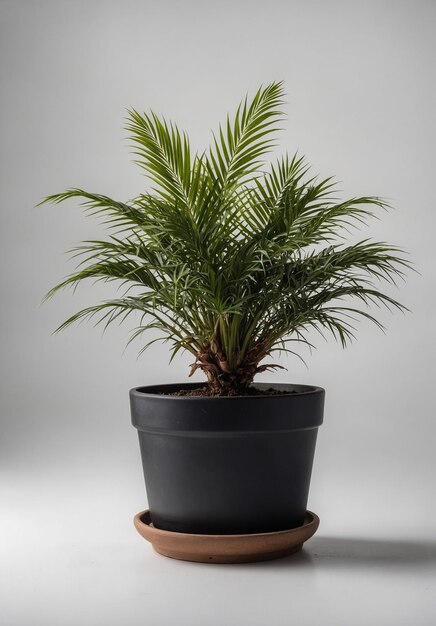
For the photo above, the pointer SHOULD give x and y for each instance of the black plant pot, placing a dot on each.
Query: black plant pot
(227, 465)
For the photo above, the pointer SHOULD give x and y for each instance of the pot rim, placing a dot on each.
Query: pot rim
(206, 416)
(296, 390)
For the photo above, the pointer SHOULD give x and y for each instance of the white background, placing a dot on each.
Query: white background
(360, 101)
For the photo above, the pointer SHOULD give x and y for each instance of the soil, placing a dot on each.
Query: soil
(206, 392)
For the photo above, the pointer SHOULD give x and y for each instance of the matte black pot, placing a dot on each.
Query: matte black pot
(227, 465)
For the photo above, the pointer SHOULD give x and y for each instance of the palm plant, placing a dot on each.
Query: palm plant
(229, 261)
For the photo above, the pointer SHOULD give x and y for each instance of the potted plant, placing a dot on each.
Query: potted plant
(231, 262)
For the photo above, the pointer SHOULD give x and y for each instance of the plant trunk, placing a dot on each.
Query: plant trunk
(229, 383)
(226, 379)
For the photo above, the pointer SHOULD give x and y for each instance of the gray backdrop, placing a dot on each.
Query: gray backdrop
(361, 101)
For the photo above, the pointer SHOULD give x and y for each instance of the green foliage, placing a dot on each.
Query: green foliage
(228, 261)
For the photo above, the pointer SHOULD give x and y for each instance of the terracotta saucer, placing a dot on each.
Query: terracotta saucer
(226, 548)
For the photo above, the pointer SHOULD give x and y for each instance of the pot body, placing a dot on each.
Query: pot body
(227, 465)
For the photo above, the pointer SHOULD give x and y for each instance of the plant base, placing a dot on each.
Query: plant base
(226, 548)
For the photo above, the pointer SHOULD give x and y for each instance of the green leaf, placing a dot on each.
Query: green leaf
(226, 260)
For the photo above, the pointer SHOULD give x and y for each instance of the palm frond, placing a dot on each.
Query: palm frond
(239, 145)
(228, 261)
(164, 152)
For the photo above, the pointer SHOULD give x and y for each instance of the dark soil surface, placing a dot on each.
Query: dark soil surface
(206, 392)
